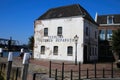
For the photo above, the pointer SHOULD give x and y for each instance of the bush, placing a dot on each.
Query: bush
(1, 77)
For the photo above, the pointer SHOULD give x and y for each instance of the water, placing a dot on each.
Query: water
(15, 54)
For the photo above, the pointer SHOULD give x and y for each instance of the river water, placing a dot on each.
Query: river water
(15, 54)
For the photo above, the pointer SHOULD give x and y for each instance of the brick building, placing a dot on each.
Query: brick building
(107, 24)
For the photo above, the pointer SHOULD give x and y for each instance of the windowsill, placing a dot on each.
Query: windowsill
(55, 54)
(69, 55)
(45, 36)
(42, 54)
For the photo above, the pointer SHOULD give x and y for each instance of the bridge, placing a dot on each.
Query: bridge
(7, 44)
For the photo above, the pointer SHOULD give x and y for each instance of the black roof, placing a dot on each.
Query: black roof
(102, 19)
(66, 11)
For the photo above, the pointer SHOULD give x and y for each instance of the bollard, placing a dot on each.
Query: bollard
(55, 74)
(50, 70)
(87, 73)
(16, 73)
(1, 52)
(71, 76)
(26, 65)
(63, 71)
(10, 58)
(103, 73)
(95, 69)
(112, 70)
(22, 53)
(34, 75)
(79, 70)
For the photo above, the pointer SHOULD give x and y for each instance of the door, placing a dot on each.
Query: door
(85, 54)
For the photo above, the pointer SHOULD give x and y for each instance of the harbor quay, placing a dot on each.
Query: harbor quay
(39, 69)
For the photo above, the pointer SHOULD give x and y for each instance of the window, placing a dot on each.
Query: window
(109, 19)
(109, 34)
(55, 50)
(95, 51)
(59, 32)
(42, 49)
(95, 34)
(102, 34)
(86, 31)
(45, 31)
(70, 51)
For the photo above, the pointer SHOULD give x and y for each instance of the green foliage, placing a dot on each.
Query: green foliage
(31, 42)
(1, 77)
(116, 41)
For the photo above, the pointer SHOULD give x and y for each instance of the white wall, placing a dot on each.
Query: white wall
(71, 27)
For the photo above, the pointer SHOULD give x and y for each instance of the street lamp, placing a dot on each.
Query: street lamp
(76, 41)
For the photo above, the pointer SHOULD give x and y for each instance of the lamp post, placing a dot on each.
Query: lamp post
(76, 41)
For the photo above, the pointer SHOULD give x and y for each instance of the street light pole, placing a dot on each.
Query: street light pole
(76, 41)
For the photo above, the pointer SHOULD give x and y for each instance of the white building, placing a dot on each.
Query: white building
(55, 30)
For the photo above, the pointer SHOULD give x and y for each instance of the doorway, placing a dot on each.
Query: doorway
(85, 54)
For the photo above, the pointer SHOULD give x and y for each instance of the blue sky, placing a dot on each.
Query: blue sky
(17, 16)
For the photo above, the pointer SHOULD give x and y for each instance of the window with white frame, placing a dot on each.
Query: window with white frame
(109, 34)
(109, 19)
(59, 31)
(70, 51)
(55, 50)
(45, 31)
(42, 49)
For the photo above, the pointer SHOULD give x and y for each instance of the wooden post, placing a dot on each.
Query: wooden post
(79, 70)
(34, 75)
(50, 70)
(71, 74)
(16, 73)
(112, 70)
(10, 58)
(21, 53)
(95, 69)
(87, 74)
(103, 73)
(63, 71)
(55, 74)
(1, 52)
(0, 68)
(26, 65)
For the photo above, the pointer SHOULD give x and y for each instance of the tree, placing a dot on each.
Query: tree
(116, 43)
(31, 42)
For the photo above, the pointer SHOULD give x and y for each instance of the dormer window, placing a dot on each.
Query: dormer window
(109, 19)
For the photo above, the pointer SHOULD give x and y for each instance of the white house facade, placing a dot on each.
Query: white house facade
(56, 31)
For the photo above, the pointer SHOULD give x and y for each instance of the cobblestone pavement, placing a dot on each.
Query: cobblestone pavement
(42, 66)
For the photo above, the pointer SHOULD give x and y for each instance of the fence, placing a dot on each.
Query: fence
(64, 71)
(15, 72)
